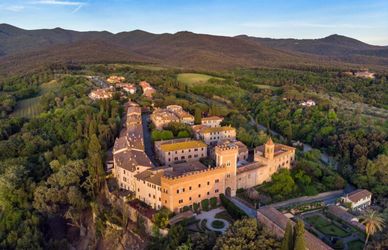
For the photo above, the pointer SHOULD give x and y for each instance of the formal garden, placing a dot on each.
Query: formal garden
(334, 232)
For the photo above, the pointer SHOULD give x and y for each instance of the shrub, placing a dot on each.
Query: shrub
(232, 209)
(205, 204)
(196, 207)
(186, 208)
(218, 224)
(213, 202)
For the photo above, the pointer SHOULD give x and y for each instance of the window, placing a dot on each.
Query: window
(196, 149)
(182, 157)
(189, 198)
(165, 201)
(217, 180)
(149, 195)
(169, 153)
(180, 201)
(208, 193)
(124, 171)
(124, 179)
(208, 183)
(216, 191)
(177, 191)
(183, 189)
(199, 196)
(190, 188)
(199, 185)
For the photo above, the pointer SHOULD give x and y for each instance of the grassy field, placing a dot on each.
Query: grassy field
(194, 78)
(30, 107)
(326, 227)
(262, 86)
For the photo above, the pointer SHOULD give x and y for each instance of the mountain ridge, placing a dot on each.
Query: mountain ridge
(181, 49)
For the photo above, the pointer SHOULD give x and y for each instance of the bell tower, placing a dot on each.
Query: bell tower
(269, 149)
(226, 156)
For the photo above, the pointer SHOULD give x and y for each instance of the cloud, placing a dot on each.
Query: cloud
(13, 8)
(78, 5)
(57, 2)
(303, 25)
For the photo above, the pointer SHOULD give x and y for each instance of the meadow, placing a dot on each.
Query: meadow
(195, 78)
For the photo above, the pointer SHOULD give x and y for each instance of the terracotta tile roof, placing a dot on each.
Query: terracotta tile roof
(182, 145)
(358, 194)
(130, 159)
(250, 167)
(151, 176)
(344, 215)
(211, 118)
(179, 169)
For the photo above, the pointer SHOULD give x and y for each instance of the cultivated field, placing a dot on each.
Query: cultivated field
(30, 107)
(194, 78)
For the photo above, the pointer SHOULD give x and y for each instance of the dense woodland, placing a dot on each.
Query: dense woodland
(51, 165)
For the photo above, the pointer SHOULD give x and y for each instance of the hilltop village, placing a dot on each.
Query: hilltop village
(182, 174)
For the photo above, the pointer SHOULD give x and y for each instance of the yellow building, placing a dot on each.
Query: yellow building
(178, 150)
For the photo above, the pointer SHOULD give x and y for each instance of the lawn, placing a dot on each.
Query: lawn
(30, 107)
(355, 245)
(194, 78)
(262, 86)
(326, 227)
(218, 224)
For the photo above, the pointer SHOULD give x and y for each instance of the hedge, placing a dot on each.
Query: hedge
(213, 202)
(232, 209)
(205, 204)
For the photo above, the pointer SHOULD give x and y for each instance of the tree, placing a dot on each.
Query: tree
(197, 116)
(288, 241)
(299, 236)
(95, 163)
(161, 218)
(246, 234)
(373, 223)
(183, 134)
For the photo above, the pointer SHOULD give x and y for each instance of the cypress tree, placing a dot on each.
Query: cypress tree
(299, 236)
(95, 163)
(197, 116)
(288, 241)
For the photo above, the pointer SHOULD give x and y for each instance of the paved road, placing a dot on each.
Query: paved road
(327, 197)
(148, 145)
(210, 217)
(249, 211)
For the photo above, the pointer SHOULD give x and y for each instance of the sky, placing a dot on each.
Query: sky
(366, 20)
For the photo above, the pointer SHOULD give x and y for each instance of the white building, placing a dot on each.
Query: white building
(358, 199)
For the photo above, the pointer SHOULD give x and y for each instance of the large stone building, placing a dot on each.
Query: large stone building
(172, 113)
(178, 150)
(185, 181)
(148, 90)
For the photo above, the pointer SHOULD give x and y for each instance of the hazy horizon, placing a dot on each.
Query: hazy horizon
(190, 32)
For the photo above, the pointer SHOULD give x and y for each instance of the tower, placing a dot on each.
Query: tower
(269, 149)
(226, 156)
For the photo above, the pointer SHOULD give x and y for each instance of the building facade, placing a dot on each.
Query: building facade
(213, 135)
(212, 121)
(178, 150)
